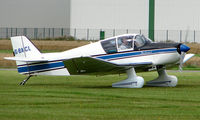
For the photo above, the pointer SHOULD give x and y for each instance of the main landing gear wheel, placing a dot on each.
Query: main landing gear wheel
(163, 79)
(133, 81)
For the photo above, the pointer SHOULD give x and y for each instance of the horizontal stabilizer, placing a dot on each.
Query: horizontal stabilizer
(23, 59)
(56, 68)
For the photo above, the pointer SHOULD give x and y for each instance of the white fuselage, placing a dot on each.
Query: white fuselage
(95, 50)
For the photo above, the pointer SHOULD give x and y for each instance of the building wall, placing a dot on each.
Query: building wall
(35, 13)
(118, 14)
(177, 14)
(97, 14)
(133, 14)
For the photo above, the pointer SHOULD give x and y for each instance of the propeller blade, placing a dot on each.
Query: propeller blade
(182, 56)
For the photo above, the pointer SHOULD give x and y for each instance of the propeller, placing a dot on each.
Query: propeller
(182, 50)
(182, 56)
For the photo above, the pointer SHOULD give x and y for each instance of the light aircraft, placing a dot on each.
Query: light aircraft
(124, 53)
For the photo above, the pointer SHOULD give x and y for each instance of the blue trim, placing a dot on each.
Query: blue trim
(40, 67)
(141, 53)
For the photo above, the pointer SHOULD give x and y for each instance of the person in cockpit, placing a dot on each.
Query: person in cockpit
(125, 44)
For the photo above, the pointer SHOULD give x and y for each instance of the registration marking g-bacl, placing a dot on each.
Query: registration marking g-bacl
(21, 50)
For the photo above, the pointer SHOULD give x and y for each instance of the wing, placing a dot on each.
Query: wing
(88, 65)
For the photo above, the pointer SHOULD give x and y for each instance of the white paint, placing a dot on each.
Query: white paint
(163, 79)
(133, 81)
(59, 72)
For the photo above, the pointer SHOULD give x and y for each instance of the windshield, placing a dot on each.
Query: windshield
(109, 45)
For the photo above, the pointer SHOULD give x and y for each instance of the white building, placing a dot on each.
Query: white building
(119, 14)
(133, 14)
(176, 15)
(112, 16)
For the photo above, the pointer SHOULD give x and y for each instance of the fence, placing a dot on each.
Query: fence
(94, 34)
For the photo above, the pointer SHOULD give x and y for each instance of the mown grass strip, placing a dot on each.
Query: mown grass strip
(91, 97)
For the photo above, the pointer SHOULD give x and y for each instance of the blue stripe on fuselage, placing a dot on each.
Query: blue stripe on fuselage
(138, 53)
(40, 67)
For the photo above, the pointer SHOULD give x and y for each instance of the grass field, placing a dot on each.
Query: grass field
(91, 97)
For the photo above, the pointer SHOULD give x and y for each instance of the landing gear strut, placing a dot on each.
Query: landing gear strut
(163, 79)
(24, 81)
(133, 81)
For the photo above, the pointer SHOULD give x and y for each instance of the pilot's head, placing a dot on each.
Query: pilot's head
(124, 40)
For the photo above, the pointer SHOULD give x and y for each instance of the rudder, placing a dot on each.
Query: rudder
(23, 47)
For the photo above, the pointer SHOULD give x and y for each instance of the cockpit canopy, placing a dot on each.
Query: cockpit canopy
(124, 43)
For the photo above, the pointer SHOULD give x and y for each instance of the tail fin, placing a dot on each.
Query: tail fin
(29, 61)
(22, 47)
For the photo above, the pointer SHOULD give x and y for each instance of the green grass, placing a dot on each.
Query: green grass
(197, 55)
(91, 97)
(6, 51)
(187, 67)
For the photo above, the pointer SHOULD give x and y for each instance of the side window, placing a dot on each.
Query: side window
(109, 45)
(125, 43)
